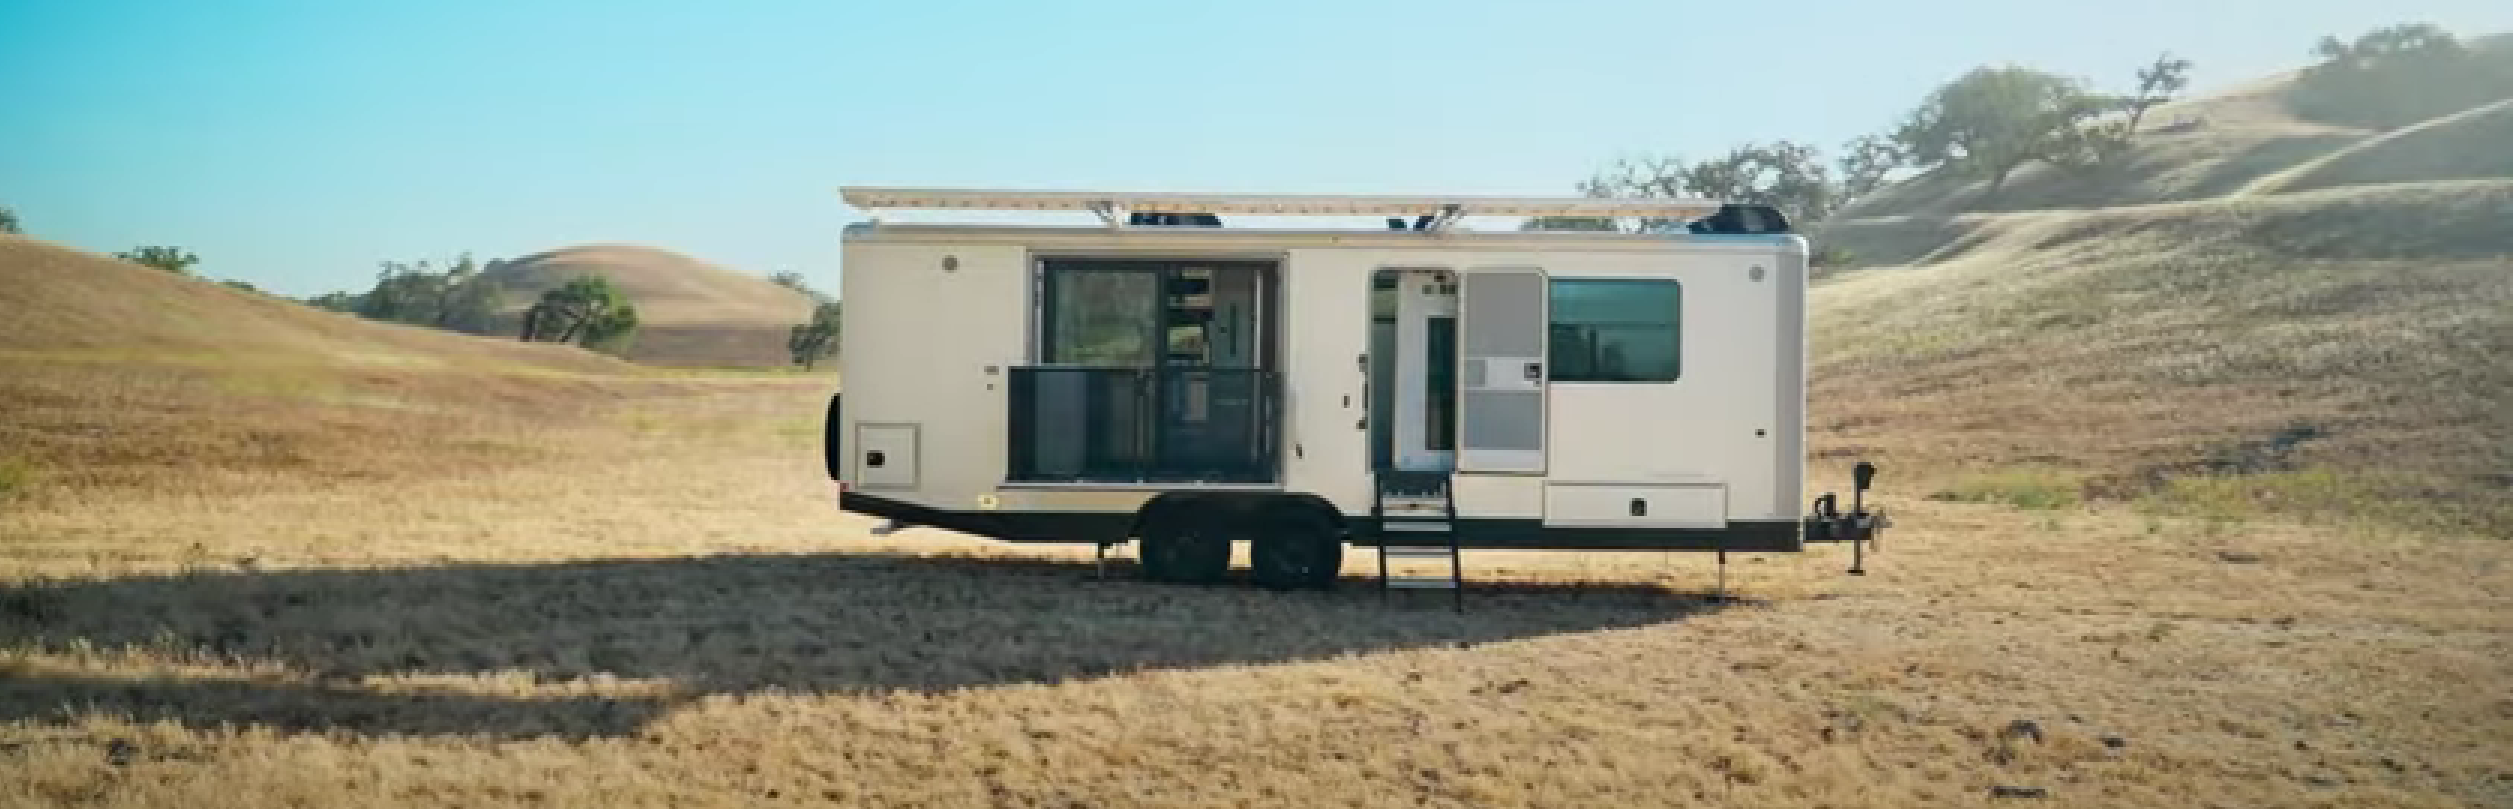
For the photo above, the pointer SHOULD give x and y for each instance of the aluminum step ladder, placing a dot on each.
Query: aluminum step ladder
(1416, 517)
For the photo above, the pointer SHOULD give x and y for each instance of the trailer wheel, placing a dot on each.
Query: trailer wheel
(1185, 547)
(830, 455)
(1299, 549)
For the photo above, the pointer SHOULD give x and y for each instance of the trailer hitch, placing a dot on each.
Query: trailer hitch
(1859, 527)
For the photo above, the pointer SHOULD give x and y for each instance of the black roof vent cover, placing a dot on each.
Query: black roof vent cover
(1737, 218)
(1202, 220)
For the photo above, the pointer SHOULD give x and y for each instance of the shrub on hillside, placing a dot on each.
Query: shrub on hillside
(588, 310)
(461, 298)
(810, 342)
(171, 259)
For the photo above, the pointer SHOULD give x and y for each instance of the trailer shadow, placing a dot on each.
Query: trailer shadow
(361, 643)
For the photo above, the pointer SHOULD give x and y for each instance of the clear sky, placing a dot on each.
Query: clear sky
(297, 144)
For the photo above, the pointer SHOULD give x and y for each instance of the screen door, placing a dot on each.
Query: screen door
(1501, 373)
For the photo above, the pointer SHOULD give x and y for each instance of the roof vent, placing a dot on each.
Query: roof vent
(1201, 220)
(1737, 218)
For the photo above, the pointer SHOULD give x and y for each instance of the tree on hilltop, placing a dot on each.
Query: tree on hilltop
(2157, 82)
(1784, 174)
(1994, 120)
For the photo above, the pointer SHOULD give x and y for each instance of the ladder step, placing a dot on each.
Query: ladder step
(1419, 510)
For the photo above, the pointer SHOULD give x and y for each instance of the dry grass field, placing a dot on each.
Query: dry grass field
(2251, 316)
(2332, 353)
(663, 609)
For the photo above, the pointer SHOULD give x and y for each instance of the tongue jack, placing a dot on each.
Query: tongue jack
(1859, 527)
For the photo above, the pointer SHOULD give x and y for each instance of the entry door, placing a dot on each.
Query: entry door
(1413, 376)
(1501, 375)
(1426, 361)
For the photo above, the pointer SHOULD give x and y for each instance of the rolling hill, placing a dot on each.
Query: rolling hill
(64, 302)
(118, 376)
(691, 313)
(2247, 314)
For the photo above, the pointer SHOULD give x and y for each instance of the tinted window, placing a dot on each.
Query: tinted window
(1101, 317)
(1615, 330)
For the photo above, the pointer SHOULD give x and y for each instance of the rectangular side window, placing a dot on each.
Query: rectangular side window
(1102, 316)
(1615, 330)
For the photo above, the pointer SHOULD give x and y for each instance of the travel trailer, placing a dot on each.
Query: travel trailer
(1155, 375)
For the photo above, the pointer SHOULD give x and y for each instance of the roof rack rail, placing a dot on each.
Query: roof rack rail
(1121, 208)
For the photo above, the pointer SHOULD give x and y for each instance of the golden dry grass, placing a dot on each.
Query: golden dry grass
(2336, 353)
(2459, 146)
(669, 612)
(2254, 315)
(691, 313)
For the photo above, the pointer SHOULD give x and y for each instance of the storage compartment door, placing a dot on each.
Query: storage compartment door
(1501, 374)
(885, 456)
(1635, 505)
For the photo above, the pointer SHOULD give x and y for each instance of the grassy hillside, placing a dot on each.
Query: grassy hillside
(66, 303)
(691, 313)
(124, 378)
(2251, 316)
(2190, 149)
(2477, 142)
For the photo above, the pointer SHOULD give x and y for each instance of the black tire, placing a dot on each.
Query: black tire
(832, 456)
(1181, 546)
(1298, 549)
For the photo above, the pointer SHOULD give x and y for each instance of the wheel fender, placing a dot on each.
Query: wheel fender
(1161, 507)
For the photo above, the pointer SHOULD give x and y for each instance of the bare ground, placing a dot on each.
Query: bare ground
(659, 606)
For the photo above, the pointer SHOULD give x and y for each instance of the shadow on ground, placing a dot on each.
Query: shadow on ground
(711, 625)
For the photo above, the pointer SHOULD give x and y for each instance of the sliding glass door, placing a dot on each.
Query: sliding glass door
(1154, 370)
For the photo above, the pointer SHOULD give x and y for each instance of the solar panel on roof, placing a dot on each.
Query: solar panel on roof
(1109, 202)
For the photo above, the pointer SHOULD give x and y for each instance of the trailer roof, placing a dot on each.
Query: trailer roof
(1112, 205)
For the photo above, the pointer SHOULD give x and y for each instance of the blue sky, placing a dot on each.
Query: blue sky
(297, 144)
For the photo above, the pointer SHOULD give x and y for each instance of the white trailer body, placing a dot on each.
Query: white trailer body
(1559, 389)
